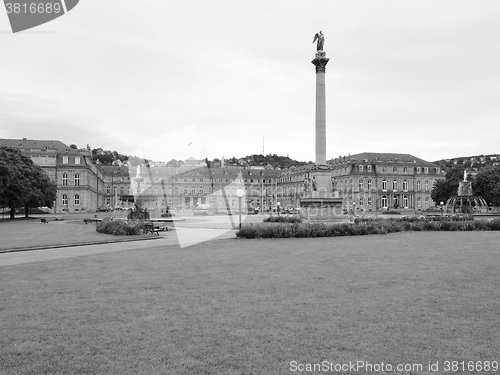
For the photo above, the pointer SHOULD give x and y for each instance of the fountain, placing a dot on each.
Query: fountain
(466, 202)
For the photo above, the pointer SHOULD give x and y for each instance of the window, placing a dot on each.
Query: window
(193, 179)
(419, 185)
(369, 201)
(426, 202)
(418, 169)
(405, 201)
(405, 169)
(114, 190)
(426, 170)
(77, 179)
(121, 190)
(426, 185)
(65, 179)
(77, 160)
(360, 168)
(394, 185)
(108, 190)
(438, 171)
(394, 169)
(384, 169)
(185, 191)
(369, 183)
(65, 160)
(405, 185)
(384, 185)
(77, 199)
(419, 202)
(384, 201)
(64, 200)
(361, 201)
(201, 190)
(193, 190)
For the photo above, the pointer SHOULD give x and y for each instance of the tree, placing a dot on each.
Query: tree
(445, 188)
(487, 185)
(23, 183)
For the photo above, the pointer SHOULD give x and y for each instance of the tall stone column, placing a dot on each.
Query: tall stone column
(320, 63)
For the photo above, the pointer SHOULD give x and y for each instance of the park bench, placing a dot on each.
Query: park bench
(150, 228)
(86, 221)
(43, 221)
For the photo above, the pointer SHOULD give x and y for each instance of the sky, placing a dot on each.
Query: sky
(197, 78)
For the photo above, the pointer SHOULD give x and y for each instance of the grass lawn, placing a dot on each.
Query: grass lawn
(254, 306)
(29, 233)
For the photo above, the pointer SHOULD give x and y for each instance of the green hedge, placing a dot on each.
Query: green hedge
(283, 219)
(362, 227)
(120, 227)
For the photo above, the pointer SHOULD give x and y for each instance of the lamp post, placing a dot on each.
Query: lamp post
(442, 205)
(278, 204)
(240, 193)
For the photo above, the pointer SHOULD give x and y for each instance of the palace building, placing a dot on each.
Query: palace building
(79, 181)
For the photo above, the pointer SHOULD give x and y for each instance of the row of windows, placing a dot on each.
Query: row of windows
(395, 185)
(65, 179)
(77, 160)
(360, 168)
(385, 201)
(76, 200)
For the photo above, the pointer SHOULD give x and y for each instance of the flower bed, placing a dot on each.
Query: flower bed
(120, 227)
(363, 227)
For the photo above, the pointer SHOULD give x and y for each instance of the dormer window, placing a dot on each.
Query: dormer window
(65, 160)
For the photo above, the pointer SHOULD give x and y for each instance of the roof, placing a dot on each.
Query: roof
(383, 157)
(28, 144)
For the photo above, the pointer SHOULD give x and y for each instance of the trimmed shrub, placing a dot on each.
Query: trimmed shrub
(283, 219)
(365, 226)
(120, 227)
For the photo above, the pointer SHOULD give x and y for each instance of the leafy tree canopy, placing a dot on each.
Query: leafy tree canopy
(487, 185)
(23, 183)
(445, 188)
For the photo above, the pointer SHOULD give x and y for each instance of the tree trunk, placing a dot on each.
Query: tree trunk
(12, 212)
(26, 212)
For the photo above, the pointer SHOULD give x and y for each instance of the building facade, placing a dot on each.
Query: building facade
(375, 181)
(78, 180)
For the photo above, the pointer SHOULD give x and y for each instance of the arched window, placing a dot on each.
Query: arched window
(394, 185)
(385, 202)
(405, 185)
(384, 185)
(419, 185)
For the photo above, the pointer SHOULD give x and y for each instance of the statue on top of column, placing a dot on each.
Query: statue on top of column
(321, 41)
